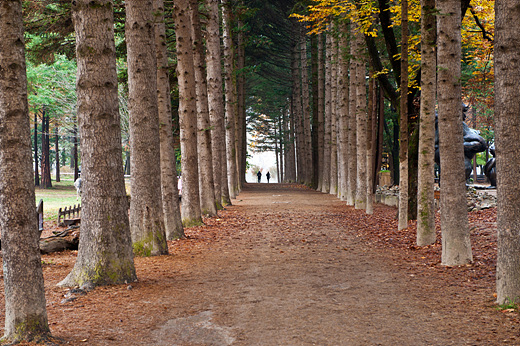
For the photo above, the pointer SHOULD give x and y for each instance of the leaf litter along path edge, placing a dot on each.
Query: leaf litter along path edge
(286, 265)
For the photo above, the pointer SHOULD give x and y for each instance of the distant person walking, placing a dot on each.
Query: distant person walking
(268, 176)
(259, 175)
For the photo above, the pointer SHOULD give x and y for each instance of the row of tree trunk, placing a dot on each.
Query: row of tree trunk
(212, 145)
(211, 108)
(346, 129)
(337, 154)
(348, 119)
(45, 166)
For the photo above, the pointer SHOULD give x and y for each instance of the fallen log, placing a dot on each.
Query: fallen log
(66, 240)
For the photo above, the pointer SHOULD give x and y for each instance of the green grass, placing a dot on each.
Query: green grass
(61, 195)
(510, 305)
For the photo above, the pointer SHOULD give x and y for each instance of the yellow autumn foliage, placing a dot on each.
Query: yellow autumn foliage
(477, 29)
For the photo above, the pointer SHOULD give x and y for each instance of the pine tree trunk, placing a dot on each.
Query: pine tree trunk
(380, 134)
(146, 213)
(327, 115)
(319, 129)
(42, 140)
(36, 168)
(306, 109)
(290, 167)
(235, 106)
(208, 204)
(333, 117)
(425, 196)
(361, 123)
(170, 192)
(456, 245)
(25, 310)
(296, 108)
(71, 162)
(276, 139)
(403, 122)
(105, 253)
(507, 108)
(57, 148)
(230, 123)
(282, 147)
(343, 109)
(352, 137)
(298, 117)
(241, 115)
(314, 130)
(191, 213)
(394, 162)
(46, 182)
(215, 103)
(75, 155)
(338, 97)
(372, 100)
(292, 146)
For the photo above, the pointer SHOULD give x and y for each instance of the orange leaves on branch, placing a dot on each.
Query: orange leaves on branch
(322, 12)
(477, 42)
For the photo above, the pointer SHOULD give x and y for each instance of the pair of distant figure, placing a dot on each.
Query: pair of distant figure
(259, 175)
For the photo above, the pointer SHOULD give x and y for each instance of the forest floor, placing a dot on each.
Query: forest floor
(286, 265)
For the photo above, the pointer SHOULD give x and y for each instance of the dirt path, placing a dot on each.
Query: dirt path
(294, 275)
(282, 266)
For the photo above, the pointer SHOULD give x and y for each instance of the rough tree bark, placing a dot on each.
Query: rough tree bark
(215, 102)
(297, 115)
(46, 182)
(321, 110)
(191, 213)
(456, 245)
(146, 213)
(276, 141)
(25, 311)
(352, 138)
(314, 117)
(290, 159)
(57, 153)
(36, 168)
(75, 156)
(325, 187)
(241, 103)
(230, 100)
(361, 122)
(208, 205)
(105, 253)
(403, 122)
(372, 100)
(338, 97)
(169, 189)
(333, 116)
(282, 146)
(306, 109)
(290, 155)
(425, 196)
(507, 108)
(343, 109)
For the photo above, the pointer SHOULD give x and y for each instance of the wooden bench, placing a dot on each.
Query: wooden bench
(70, 215)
